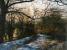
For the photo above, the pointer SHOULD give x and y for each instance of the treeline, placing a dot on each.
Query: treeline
(50, 24)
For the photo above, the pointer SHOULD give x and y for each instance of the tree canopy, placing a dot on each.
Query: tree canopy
(53, 22)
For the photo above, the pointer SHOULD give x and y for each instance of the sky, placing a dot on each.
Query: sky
(40, 5)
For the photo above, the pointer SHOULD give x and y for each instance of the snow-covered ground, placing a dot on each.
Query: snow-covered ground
(39, 44)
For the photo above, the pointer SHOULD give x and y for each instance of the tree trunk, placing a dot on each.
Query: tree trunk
(2, 23)
(2, 26)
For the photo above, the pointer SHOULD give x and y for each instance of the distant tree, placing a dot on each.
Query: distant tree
(10, 26)
(53, 24)
(29, 29)
(19, 25)
(9, 31)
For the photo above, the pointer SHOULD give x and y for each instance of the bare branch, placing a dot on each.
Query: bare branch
(7, 2)
(20, 13)
(60, 1)
(46, 9)
(19, 2)
(63, 2)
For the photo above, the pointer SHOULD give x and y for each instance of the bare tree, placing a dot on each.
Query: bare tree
(5, 5)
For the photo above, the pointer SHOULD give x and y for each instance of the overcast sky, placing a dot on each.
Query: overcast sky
(39, 4)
